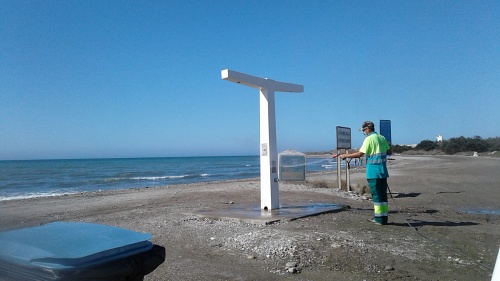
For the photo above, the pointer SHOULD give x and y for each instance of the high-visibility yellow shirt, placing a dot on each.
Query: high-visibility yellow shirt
(375, 148)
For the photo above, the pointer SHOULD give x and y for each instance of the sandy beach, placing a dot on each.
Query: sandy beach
(444, 224)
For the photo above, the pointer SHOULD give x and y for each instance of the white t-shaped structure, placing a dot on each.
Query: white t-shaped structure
(269, 188)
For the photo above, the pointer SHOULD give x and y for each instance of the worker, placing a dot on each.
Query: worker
(376, 148)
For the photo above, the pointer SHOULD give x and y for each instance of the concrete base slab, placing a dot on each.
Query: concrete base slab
(254, 215)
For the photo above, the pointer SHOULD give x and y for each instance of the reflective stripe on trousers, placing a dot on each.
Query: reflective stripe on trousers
(381, 209)
(378, 189)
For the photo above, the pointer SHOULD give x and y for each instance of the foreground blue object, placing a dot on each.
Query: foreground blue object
(77, 251)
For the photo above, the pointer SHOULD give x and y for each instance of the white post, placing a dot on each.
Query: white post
(496, 270)
(269, 189)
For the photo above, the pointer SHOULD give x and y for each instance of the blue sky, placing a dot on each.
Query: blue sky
(87, 79)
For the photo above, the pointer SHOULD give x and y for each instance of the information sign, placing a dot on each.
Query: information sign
(343, 138)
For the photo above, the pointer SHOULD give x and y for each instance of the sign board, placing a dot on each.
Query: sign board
(385, 130)
(343, 138)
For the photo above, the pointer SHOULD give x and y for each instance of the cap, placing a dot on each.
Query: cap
(367, 124)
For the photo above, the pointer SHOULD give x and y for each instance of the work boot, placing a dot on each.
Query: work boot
(375, 222)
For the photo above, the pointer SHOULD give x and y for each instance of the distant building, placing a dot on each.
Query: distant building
(439, 138)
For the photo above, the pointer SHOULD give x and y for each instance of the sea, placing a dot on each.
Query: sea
(41, 178)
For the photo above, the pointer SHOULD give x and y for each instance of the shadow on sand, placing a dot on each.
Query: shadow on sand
(407, 195)
(420, 223)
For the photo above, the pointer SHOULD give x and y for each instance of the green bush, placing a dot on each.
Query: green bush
(455, 145)
(462, 144)
(400, 148)
(427, 145)
(493, 144)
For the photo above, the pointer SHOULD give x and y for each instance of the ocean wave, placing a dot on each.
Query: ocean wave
(34, 195)
(155, 178)
(159, 177)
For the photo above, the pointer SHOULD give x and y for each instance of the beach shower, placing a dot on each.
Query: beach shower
(269, 189)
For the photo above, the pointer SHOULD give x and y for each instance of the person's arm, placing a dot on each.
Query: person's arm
(357, 154)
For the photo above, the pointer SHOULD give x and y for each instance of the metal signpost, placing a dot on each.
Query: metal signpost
(343, 142)
(269, 189)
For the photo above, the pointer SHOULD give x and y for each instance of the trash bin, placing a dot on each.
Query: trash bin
(77, 251)
(292, 165)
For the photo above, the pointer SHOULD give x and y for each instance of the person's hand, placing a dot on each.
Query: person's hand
(342, 156)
